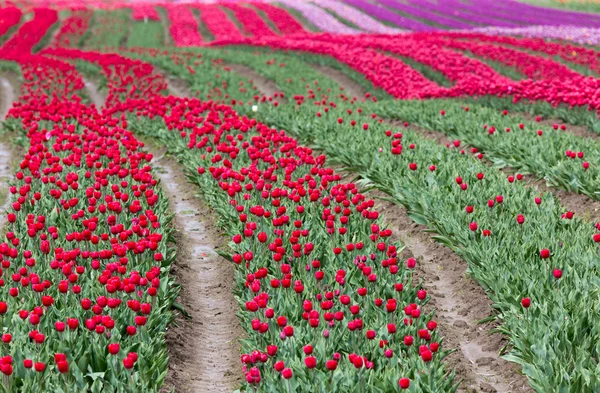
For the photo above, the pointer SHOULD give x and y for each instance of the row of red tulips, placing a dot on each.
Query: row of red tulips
(9, 18)
(507, 139)
(183, 25)
(251, 22)
(85, 294)
(29, 34)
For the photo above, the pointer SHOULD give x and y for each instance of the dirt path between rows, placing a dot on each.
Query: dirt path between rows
(346, 83)
(583, 206)
(7, 97)
(175, 86)
(264, 86)
(580, 131)
(95, 97)
(203, 350)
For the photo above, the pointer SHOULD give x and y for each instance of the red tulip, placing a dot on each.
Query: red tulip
(287, 373)
(404, 383)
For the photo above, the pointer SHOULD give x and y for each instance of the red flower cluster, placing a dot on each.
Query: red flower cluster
(252, 23)
(183, 26)
(217, 22)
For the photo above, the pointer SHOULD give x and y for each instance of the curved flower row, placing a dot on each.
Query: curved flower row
(581, 35)
(360, 19)
(183, 26)
(384, 14)
(319, 17)
(29, 33)
(282, 19)
(85, 292)
(252, 23)
(480, 80)
(533, 66)
(217, 22)
(9, 17)
(571, 53)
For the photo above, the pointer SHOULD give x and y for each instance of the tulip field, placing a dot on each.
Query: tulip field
(290, 196)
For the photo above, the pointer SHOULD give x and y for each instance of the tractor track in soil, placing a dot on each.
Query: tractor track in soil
(349, 86)
(203, 349)
(7, 150)
(262, 85)
(459, 302)
(95, 97)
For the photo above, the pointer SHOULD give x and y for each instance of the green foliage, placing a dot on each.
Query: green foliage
(146, 35)
(109, 29)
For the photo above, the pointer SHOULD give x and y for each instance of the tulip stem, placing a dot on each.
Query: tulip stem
(360, 377)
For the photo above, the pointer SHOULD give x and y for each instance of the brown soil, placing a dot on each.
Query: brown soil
(583, 206)
(203, 350)
(175, 86)
(95, 97)
(8, 151)
(579, 131)
(266, 87)
(8, 95)
(346, 83)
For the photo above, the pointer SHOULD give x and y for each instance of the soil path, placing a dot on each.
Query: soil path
(175, 86)
(263, 85)
(580, 131)
(348, 84)
(7, 97)
(97, 99)
(204, 351)
(583, 206)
